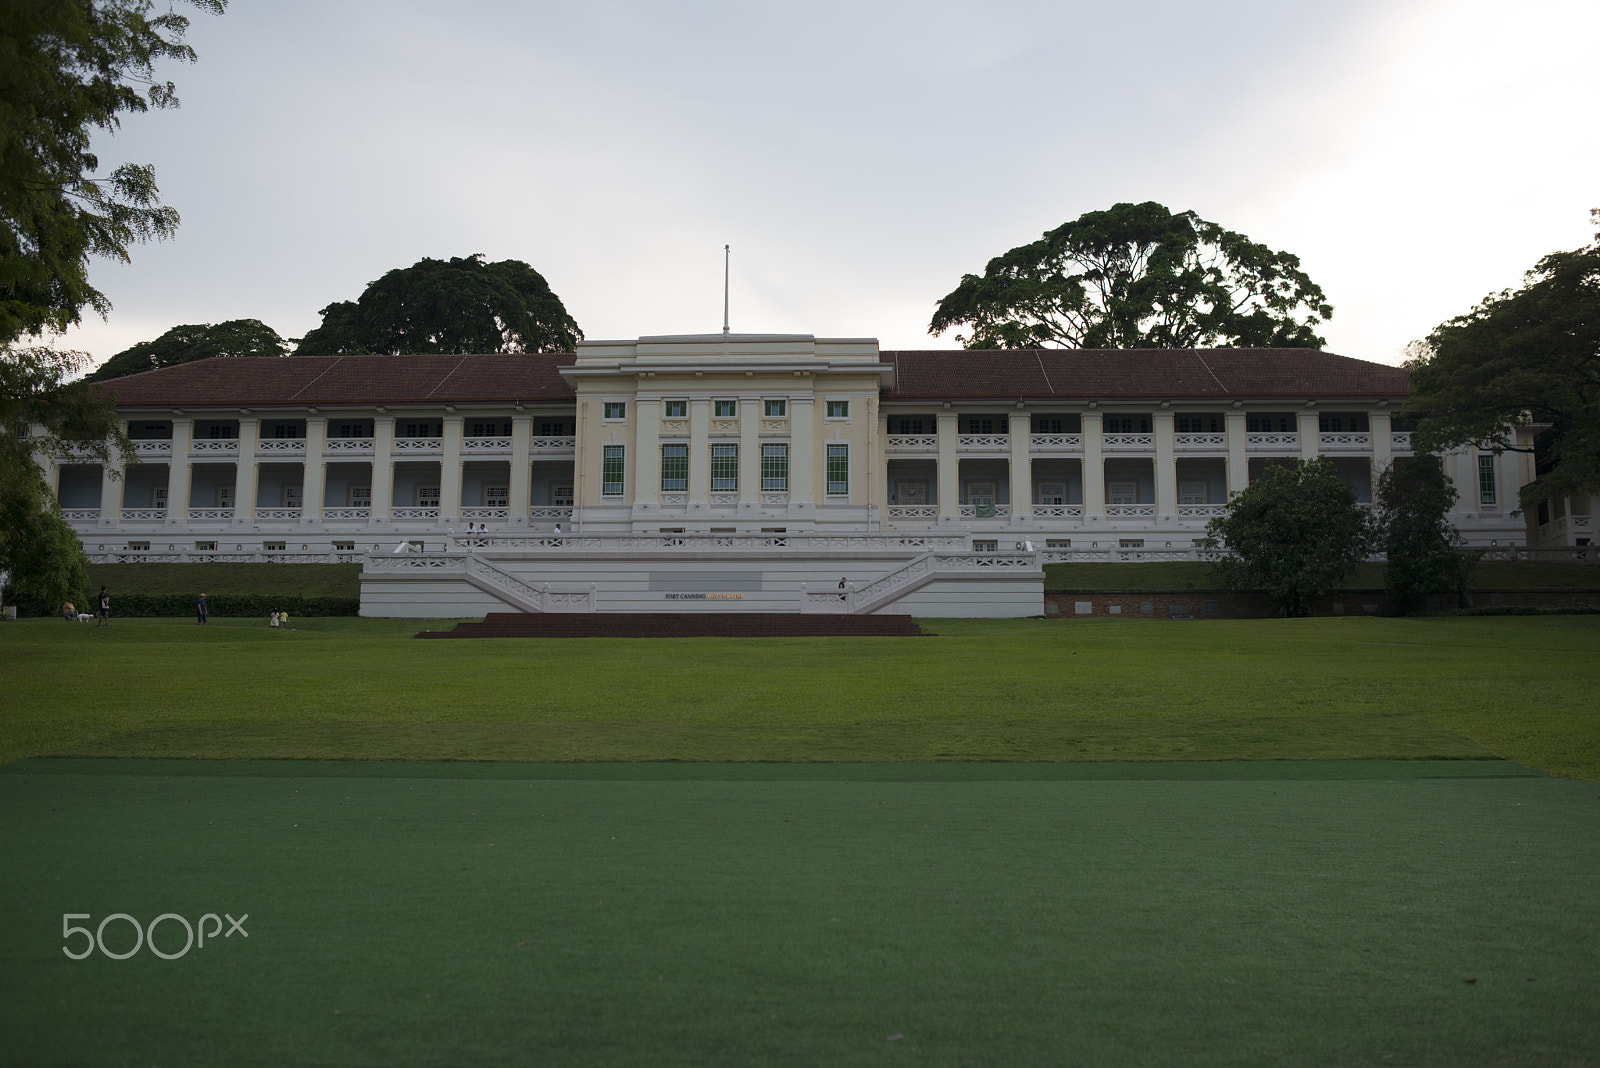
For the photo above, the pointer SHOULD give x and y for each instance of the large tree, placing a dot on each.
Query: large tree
(1293, 533)
(1423, 548)
(68, 68)
(456, 305)
(1523, 357)
(199, 341)
(1136, 276)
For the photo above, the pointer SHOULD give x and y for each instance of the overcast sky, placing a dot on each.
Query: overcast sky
(859, 156)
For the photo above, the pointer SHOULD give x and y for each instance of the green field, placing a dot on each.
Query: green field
(1014, 842)
(1194, 575)
(1522, 689)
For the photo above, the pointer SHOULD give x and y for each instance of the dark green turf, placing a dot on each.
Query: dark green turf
(1307, 913)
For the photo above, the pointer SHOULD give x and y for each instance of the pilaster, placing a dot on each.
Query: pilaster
(1379, 428)
(802, 446)
(382, 469)
(1238, 452)
(949, 424)
(699, 454)
(244, 482)
(1310, 435)
(450, 471)
(179, 474)
(314, 478)
(1094, 465)
(521, 498)
(1020, 425)
(1166, 464)
(749, 452)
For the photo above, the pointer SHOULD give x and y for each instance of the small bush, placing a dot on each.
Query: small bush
(149, 605)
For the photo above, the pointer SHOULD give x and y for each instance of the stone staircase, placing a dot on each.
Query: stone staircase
(679, 625)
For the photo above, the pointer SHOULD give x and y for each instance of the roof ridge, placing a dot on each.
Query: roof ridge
(337, 360)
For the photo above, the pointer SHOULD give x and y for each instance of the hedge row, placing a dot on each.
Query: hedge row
(144, 605)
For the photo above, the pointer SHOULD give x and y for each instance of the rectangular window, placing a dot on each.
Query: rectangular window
(1199, 424)
(422, 430)
(205, 546)
(490, 430)
(158, 497)
(616, 410)
(561, 496)
(1270, 424)
(1127, 424)
(674, 468)
(1122, 493)
(551, 428)
(138, 546)
(360, 496)
(274, 546)
(1131, 543)
(497, 496)
(915, 424)
(724, 468)
(287, 430)
(1195, 492)
(725, 409)
(775, 468)
(982, 545)
(611, 470)
(838, 409)
(291, 496)
(353, 430)
(1486, 487)
(1056, 424)
(1052, 493)
(1343, 423)
(838, 469)
(775, 409)
(1058, 543)
(676, 409)
(982, 424)
(427, 496)
(222, 432)
(344, 546)
(224, 496)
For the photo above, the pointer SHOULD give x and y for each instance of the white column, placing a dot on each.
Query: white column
(749, 452)
(1379, 428)
(113, 476)
(1021, 428)
(1506, 487)
(699, 454)
(521, 486)
(450, 472)
(181, 472)
(878, 471)
(1166, 465)
(1238, 452)
(949, 424)
(244, 480)
(1094, 465)
(314, 480)
(647, 460)
(1310, 435)
(802, 432)
(382, 468)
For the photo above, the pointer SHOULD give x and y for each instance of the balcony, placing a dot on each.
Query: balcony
(479, 515)
(281, 447)
(1400, 441)
(277, 515)
(414, 514)
(152, 450)
(983, 443)
(211, 515)
(1280, 443)
(990, 511)
(144, 515)
(208, 447)
(1347, 442)
(1130, 511)
(1058, 511)
(346, 515)
(347, 447)
(418, 446)
(1056, 443)
(558, 512)
(1200, 443)
(497, 446)
(924, 512)
(81, 515)
(911, 444)
(1128, 443)
(540, 447)
(1201, 511)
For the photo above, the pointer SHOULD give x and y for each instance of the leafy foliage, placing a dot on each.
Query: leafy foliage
(202, 341)
(177, 605)
(68, 68)
(448, 306)
(1521, 358)
(1136, 276)
(1293, 534)
(1424, 549)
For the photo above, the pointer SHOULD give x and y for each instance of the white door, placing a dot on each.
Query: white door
(427, 496)
(360, 497)
(913, 492)
(291, 496)
(224, 496)
(561, 496)
(158, 497)
(1192, 493)
(1122, 493)
(496, 496)
(980, 494)
(1052, 493)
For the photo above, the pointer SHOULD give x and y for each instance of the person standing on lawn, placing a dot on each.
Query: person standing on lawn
(102, 616)
(200, 610)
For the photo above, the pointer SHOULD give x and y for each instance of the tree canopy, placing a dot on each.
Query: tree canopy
(67, 69)
(448, 306)
(1526, 357)
(1136, 276)
(200, 341)
(1293, 533)
(1423, 549)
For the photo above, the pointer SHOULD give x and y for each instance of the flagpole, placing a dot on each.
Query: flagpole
(725, 255)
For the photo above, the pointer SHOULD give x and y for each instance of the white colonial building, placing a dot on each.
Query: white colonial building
(743, 471)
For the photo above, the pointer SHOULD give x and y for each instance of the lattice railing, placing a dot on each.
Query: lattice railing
(1130, 511)
(81, 515)
(346, 515)
(1058, 511)
(911, 443)
(1288, 442)
(1127, 442)
(347, 447)
(1344, 442)
(1201, 511)
(983, 443)
(413, 513)
(214, 447)
(1057, 443)
(144, 515)
(913, 511)
(481, 514)
(418, 446)
(152, 448)
(486, 445)
(211, 515)
(281, 447)
(1200, 443)
(278, 515)
(990, 511)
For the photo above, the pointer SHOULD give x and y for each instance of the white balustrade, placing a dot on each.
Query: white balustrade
(900, 443)
(1200, 443)
(1276, 442)
(81, 515)
(548, 446)
(1127, 442)
(214, 447)
(1058, 511)
(347, 447)
(346, 515)
(1130, 511)
(1056, 443)
(480, 514)
(413, 513)
(144, 515)
(1201, 511)
(152, 449)
(1344, 442)
(419, 446)
(913, 511)
(994, 511)
(1400, 441)
(281, 447)
(211, 515)
(278, 515)
(983, 443)
(486, 445)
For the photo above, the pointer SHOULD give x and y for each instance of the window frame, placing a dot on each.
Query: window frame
(613, 411)
(681, 406)
(724, 408)
(775, 467)
(613, 461)
(836, 410)
(677, 459)
(725, 467)
(1488, 483)
(836, 459)
(775, 408)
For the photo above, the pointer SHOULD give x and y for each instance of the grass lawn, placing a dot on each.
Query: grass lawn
(284, 580)
(1196, 575)
(1518, 688)
(1306, 913)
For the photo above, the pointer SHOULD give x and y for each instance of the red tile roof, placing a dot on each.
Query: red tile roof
(1090, 374)
(353, 380)
(1034, 374)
